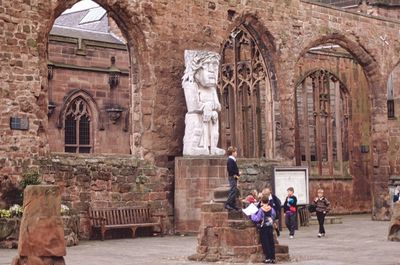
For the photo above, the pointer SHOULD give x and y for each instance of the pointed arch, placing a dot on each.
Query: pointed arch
(323, 115)
(246, 95)
(88, 99)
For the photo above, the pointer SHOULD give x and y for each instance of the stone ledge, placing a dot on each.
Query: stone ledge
(328, 220)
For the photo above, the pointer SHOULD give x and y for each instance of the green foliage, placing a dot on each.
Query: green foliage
(5, 213)
(30, 178)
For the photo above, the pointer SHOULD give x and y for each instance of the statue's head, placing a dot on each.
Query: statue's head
(202, 66)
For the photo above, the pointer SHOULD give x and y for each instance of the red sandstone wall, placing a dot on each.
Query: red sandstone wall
(113, 139)
(158, 32)
(109, 181)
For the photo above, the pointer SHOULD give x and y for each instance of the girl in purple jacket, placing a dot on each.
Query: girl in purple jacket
(264, 219)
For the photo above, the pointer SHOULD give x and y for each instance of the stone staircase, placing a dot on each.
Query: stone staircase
(230, 236)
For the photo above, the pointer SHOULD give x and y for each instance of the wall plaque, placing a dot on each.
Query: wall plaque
(296, 177)
(19, 123)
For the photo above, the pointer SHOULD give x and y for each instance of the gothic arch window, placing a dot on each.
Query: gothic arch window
(245, 94)
(322, 122)
(77, 131)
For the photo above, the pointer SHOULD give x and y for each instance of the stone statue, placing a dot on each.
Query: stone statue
(200, 86)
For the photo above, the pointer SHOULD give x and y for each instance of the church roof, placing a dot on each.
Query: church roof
(89, 24)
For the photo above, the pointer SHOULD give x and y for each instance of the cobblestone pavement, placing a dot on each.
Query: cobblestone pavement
(357, 241)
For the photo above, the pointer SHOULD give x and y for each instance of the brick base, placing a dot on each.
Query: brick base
(195, 179)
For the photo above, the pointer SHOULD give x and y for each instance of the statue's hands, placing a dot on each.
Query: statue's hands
(207, 112)
(217, 106)
(214, 116)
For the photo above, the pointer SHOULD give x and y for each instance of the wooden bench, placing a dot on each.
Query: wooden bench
(127, 217)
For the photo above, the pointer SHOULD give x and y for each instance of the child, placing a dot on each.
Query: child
(276, 204)
(290, 208)
(322, 207)
(233, 176)
(253, 197)
(265, 219)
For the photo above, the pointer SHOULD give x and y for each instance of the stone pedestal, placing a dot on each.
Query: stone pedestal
(394, 227)
(230, 236)
(195, 180)
(41, 239)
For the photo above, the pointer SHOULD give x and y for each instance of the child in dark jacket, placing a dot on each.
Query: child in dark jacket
(322, 207)
(265, 219)
(233, 176)
(290, 208)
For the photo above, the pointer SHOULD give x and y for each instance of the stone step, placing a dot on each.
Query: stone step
(280, 257)
(328, 220)
(237, 215)
(221, 193)
(240, 224)
(282, 249)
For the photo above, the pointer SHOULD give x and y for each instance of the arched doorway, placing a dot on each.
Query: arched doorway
(88, 52)
(96, 88)
(333, 139)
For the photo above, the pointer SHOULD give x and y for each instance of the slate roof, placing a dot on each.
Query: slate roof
(89, 24)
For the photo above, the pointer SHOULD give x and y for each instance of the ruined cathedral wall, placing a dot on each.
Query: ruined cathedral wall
(158, 32)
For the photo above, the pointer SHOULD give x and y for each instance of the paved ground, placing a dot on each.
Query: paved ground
(357, 241)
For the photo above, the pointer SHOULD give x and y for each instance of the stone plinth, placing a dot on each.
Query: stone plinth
(230, 236)
(195, 180)
(394, 227)
(41, 239)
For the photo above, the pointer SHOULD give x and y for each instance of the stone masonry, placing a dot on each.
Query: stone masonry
(197, 177)
(230, 236)
(157, 33)
(107, 181)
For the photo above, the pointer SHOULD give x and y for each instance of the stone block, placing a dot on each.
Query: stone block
(241, 237)
(212, 207)
(394, 227)
(281, 249)
(41, 231)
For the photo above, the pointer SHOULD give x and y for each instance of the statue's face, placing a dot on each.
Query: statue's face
(207, 75)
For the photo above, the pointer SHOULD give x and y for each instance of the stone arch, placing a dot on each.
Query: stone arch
(265, 41)
(357, 50)
(259, 107)
(130, 25)
(309, 72)
(377, 151)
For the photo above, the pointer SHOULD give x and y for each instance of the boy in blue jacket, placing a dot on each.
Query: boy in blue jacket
(290, 208)
(233, 176)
